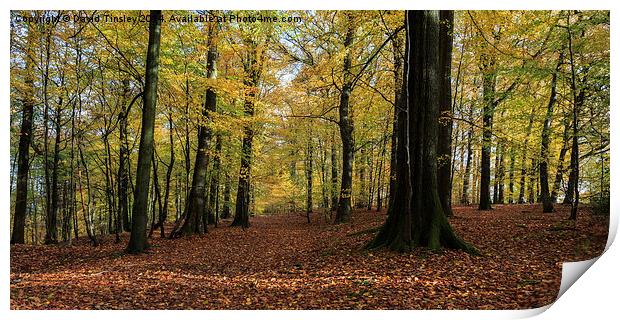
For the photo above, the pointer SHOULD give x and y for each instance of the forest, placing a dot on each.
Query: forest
(218, 159)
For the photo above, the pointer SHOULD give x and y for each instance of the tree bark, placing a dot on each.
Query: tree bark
(489, 78)
(192, 220)
(138, 241)
(123, 160)
(215, 181)
(417, 218)
(334, 175)
(25, 139)
(252, 67)
(547, 199)
(444, 147)
(309, 165)
(524, 156)
(343, 213)
(468, 160)
(399, 101)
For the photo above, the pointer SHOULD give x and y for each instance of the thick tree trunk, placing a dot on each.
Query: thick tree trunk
(417, 218)
(25, 139)
(343, 214)
(444, 147)
(138, 241)
(511, 175)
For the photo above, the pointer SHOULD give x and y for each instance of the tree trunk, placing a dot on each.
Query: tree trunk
(227, 190)
(361, 164)
(444, 147)
(123, 160)
(51, 223)
(547, 199)
(468, 160)
(560, 170)
(252, 67)
(399, 101)
(25, 139)
(524, 156)
(501, 171)
(343, 214)
(578, 98)
(192, 220)
(308, 165)
(215, 181)
(334, 177)
(417, 218)
(489, 78)
(138, 241)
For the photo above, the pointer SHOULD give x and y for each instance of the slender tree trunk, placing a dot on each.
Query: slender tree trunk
(227, 190)
(334, 175)
(324, 185)
(468, 160)
(124, 161)
(343, 214)
(309, 169)
(51, 225)
(138, 241)
(501, 174)
(86, 208)
(511, 175)
(488, 84)
(215, 181)
(361, 164)
(578, 98)
(532, 183)
(192, 220)
(560, 170)
(524, 157)
(547, 199)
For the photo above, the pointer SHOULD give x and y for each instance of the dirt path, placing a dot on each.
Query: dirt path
(281, 262)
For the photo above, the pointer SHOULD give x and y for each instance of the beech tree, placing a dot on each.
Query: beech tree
(138, 241)
(417, 217)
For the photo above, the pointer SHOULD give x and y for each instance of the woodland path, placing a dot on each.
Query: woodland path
(281, 262)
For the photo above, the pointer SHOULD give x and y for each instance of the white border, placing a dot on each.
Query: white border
(595, 294)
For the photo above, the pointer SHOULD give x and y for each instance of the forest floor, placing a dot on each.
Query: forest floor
(282, 262)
